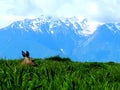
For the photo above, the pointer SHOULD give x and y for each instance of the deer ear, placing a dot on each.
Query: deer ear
(27, 54)
(23, 54)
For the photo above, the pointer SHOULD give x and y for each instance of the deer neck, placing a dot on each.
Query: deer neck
(27, 59)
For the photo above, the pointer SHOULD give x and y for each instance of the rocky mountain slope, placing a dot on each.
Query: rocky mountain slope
(69, 37)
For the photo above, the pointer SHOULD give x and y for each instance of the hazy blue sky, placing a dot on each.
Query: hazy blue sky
(96, 10)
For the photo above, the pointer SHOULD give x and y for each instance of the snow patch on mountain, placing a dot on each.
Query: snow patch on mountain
(88, 27)
(80, 25)
(117, 25)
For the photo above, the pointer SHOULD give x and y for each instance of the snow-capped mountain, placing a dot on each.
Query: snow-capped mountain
(46, 36)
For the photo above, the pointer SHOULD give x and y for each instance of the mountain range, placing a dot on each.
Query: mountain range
(68, 37)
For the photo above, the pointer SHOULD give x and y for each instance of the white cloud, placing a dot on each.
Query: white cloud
(95, 10)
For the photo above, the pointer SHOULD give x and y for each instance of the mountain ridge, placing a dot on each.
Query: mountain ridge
(48, 36)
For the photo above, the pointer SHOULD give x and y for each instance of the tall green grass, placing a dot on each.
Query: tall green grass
(57, 73)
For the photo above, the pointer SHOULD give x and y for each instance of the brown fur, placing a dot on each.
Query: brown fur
(27, 60)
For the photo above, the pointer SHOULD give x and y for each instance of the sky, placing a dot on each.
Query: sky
(95, 10)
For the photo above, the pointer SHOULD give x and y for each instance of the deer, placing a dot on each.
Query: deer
(27, 59)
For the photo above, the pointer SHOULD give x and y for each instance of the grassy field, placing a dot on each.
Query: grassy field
(57, 73)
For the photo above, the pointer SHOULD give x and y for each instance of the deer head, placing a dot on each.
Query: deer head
(27, 59)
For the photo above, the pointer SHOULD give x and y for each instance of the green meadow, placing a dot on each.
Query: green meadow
(56, 73)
